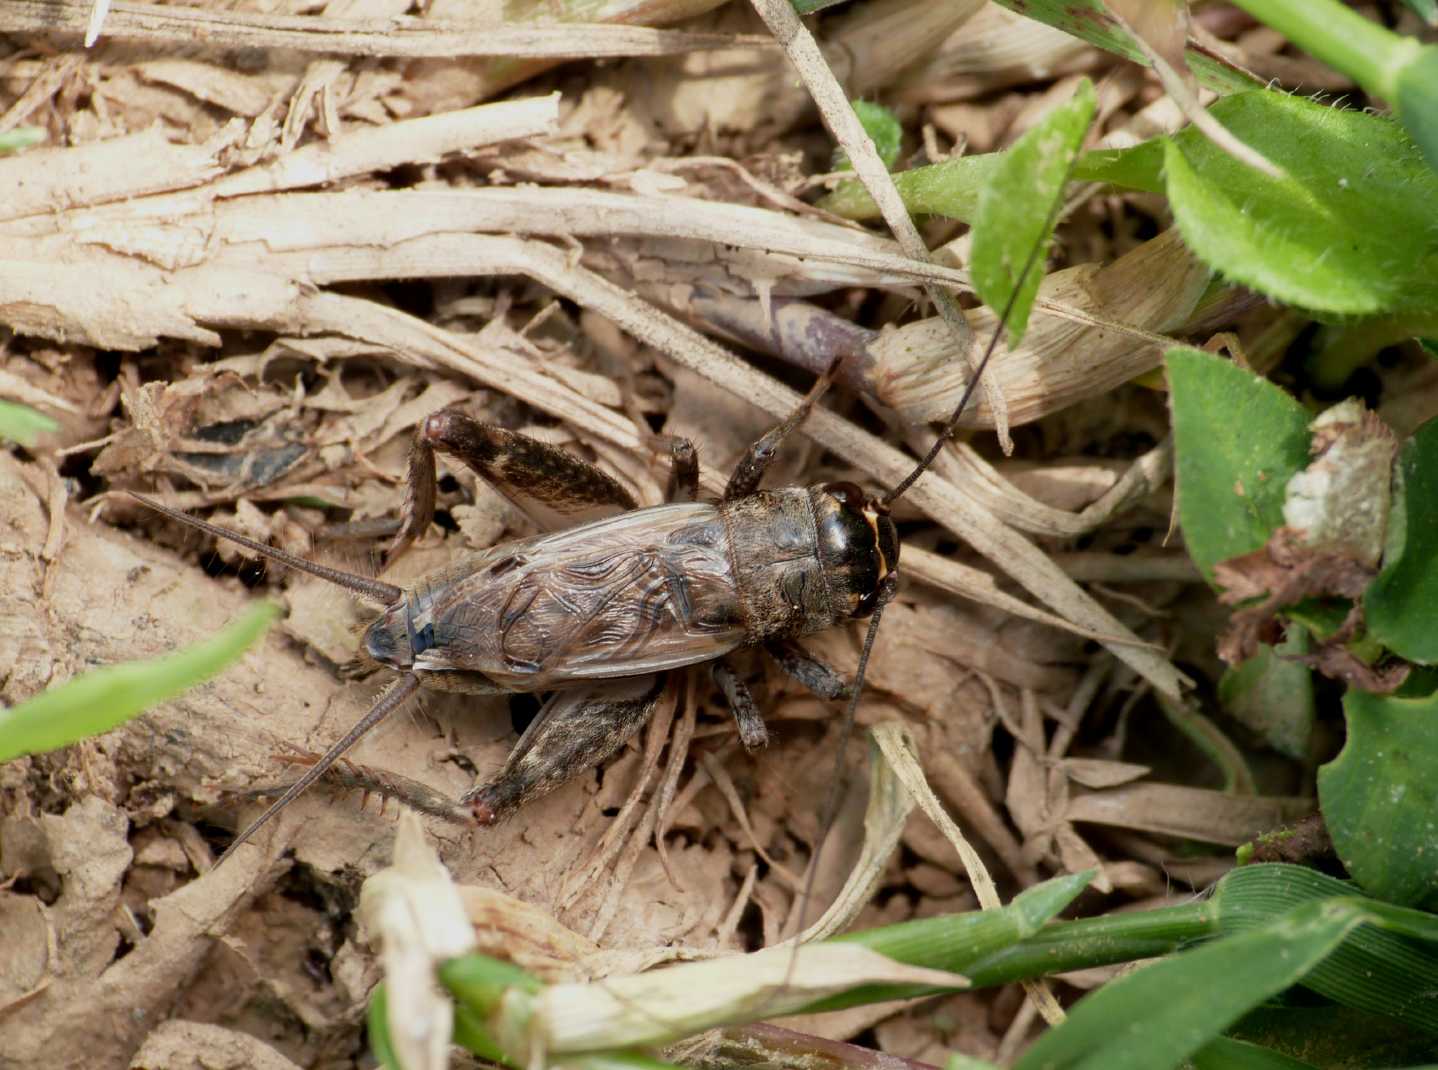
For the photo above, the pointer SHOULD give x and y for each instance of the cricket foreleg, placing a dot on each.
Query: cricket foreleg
(753, 733)
(576, 730)
(750, 470)
(814, 674)
(553, 488)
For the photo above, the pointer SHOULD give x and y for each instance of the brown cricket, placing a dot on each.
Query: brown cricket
(598, 609)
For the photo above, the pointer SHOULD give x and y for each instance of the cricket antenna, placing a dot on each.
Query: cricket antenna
(386, 594)
(388, 703)
(890, 584)
(887, 589)
(973, 384)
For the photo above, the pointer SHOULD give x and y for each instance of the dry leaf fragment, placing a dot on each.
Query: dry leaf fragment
(1282, 573)
(662, 1006)
(1342, 499)
(1061, 361)
(413, 909)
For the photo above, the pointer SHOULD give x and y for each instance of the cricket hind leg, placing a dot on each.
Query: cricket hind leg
(553, 488)
(369, 780)
(574, 731)
(751, 467)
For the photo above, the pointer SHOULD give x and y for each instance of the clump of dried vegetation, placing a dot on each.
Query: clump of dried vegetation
(265, 240)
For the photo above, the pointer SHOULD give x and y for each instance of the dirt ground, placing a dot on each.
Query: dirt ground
(245, 268)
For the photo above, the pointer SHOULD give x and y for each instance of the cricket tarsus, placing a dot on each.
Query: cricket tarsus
(683, 485)
(390, 701)
(386, 594)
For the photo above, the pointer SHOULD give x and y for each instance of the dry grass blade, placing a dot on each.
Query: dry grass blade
(906, 769)
(398, 36)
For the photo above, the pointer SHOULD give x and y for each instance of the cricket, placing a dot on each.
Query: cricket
(610, 598)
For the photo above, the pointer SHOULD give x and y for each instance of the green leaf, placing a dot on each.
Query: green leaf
(99, 701)
(481, 982)
(472, 1034)
(1273, 695)
(1223, 1053)
(950, 189)
(1348, 230)
(959, 1061)
(22, 424)
(1335, 1037)
(1400, 603)
(884, 131)
(1380, 796)
(1416, 101)
(1239, 439)
(1158, 1016)
(1139, 167)
(1017, 209)
(1385, 64)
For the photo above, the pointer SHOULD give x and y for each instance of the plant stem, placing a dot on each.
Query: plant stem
(1340, 37)
(1100, 941)
(1060, 946)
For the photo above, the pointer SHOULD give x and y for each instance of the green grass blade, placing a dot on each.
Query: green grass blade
(1090, 21)
(22, 424)
(98, 701)
(1388, 968)
(954, 941)
(22, 137)
(377, 1020)
(1155, 1018)
(1223, 1053)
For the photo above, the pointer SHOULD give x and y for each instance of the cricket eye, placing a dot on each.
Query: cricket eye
(846, 493)
(379, 643)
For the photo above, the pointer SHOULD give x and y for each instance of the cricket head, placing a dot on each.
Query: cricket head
(858, 544)
(404, 631)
